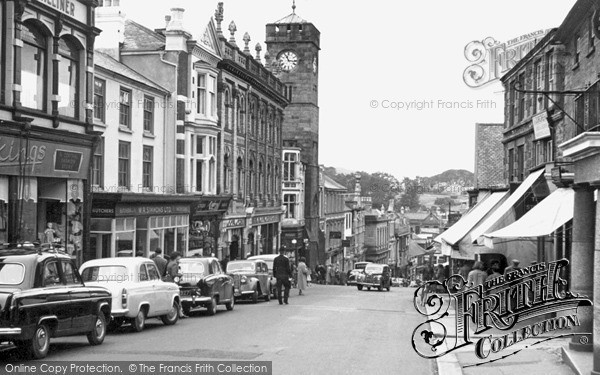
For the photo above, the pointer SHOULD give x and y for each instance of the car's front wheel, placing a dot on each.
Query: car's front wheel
(97, 335)
(139, 322)
(172, 316)
(212, 306)
(380, 288)
(359, 287)
(40, 344)
(186, 309)
(255, 296)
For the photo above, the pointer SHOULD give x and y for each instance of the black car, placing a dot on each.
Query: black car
(202, 283)
(42, 296)
(375, 276)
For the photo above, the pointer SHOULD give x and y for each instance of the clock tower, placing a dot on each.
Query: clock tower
(293, 46)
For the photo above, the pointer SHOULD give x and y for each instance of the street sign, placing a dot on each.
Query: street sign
(335, 235)
(345, 243)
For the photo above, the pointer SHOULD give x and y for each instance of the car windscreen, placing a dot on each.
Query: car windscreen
(360, 266)
(240, 266)
(11, 273)
(374, 268)
(191, 272)
(107, 274)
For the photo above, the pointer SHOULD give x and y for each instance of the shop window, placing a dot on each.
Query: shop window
(148, 154)
(124, 164)
(34, 70)
(99, 99)
(68, 78)
(148, 114)
(125, 108)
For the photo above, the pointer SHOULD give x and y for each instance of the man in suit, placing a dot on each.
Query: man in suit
(282, 271)
(161, 263)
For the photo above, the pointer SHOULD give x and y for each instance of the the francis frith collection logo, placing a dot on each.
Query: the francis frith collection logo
(534, 298)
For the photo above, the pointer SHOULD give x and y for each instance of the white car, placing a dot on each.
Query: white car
(137, 290)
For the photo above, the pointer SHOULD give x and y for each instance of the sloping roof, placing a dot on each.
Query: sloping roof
(138, 37)
(331, 184)
(105, 61)
(414, 249)
(291, 18)
(416, 215)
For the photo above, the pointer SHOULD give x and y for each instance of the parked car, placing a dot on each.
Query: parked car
(359, 267)
(250, 279)
(268, 258)
(138, 293)
(204, 284)
(375, 276)
(42, 296)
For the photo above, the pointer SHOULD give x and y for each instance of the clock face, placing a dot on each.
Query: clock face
(288, 61)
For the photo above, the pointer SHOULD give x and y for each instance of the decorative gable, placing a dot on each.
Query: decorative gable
(209, 41)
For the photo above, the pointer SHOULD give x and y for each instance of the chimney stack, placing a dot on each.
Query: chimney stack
(176, 20)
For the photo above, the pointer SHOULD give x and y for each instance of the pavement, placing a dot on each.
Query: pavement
(546, 354)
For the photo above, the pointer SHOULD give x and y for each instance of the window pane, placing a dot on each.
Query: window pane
(148, 114)
(68, 79)
(33, 65)
(99, 103)
(125, 108)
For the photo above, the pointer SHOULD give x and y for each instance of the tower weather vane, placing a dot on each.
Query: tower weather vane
(294, 7)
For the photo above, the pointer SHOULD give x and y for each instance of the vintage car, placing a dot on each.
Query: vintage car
(42, 296)
(268, 258)
(203, 283)
(138, 293)
(375, 276)
(359, 267)
(250, 279)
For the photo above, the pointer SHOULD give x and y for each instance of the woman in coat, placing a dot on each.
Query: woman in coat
(302, 274)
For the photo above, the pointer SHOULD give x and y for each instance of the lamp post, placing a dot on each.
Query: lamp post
(295, 251)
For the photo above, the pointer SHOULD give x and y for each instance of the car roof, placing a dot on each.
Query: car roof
(198, 259)
(117, 261)
(263, 257)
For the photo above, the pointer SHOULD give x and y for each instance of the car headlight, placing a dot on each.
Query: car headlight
(244, 280)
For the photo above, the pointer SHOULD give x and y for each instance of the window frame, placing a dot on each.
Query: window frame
(43, 49)
(124, 176)
(75, 60)
(127, 106)
(149, 114)
(147, 167)
(98, 155)
(101, 113)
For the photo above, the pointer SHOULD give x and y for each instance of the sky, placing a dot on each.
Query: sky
(392, 96)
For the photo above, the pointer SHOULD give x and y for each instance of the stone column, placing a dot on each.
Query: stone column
(596, 308)
(582, 261)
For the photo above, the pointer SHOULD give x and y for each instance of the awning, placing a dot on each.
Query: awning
(504, 214)
(543, 219)
(462, 227)
(414, 249)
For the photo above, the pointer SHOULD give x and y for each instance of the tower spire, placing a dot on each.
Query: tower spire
(294, 7)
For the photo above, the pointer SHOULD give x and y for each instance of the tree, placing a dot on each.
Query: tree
(410, 197)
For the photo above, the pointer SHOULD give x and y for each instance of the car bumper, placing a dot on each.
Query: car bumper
(242, 293)
(195, 300)
(9, 332)
(369, 284)
(120, 313)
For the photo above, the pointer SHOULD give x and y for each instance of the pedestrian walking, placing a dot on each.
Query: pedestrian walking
(477, 276)
(282, 271)
(174, 271)
(303, 274)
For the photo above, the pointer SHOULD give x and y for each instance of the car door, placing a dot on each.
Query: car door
(145, 291)
(82, 307)
(162, 290)
(57, 299)
(263, 277)
(226, 283)
(220, 280)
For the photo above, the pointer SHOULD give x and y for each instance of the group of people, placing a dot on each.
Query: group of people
(328, 275)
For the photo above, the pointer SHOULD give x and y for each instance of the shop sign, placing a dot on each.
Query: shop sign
(258, 220)
(234, 223)
(151, 210)
(212, 205)
(42, 159)
(335, 235)
(541, 127)
(71, 8)
(103, 210)
(346, 243)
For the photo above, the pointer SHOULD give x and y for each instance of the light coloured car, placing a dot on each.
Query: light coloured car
(250, 279)
(268, 258)
(138, 293)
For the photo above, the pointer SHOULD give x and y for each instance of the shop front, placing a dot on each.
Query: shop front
(264, 234)
(233, 235)
(123, 224)
(42, 190)
(205, 217)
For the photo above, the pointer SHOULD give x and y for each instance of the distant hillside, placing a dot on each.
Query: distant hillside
(451, 176)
